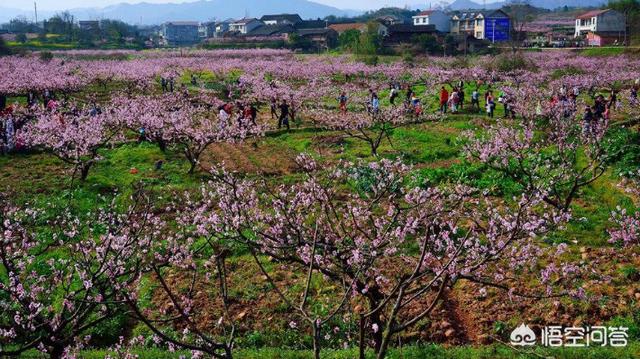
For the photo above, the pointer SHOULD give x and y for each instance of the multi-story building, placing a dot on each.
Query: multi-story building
(438, 18)
(244, 26)
(494, 26)
(222, 28)
(203, 31)
(600, 21)
(181, 32)
(281, 19)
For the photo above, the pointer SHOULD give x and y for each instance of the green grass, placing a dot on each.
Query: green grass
(433, 147)
(603, 51)
(412, 352)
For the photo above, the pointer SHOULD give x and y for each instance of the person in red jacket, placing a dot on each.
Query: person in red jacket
(444, 99)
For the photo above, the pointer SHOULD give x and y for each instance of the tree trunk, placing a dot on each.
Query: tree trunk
(162, 144)
(316, 340)
(374, 149)
(382, 351)
(377, 336)
(362, 337)
(227, 352)
(192, 167)
(84, 171)
(57, 351)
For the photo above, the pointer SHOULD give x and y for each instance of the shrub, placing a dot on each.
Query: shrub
(4, 49)
(21, 38)
(46, 56)
(509, 61)
(623, 147)
(371, 60)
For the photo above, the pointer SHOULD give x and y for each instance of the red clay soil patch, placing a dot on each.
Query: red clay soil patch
(254, 157)
(33, 174)
(329, 144)
(464, 316)
(444, 163)
(253, 305)
(609, 295)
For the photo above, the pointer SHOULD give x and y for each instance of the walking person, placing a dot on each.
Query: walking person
(444, 99)
(375, 103)
(393, 94)
(254, 114)
(490, 106)
(475, 100)
(9, 130)
(587, 121)
(223, 115)
(246, 114)
(343, 102)
(284, 115)
(163, 83)
(408, 96)
(453, 101)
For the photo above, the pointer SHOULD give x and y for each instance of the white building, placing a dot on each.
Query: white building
(600, 21)
(433, 17)
(244, 26)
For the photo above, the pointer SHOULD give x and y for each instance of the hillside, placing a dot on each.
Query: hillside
(145, 13)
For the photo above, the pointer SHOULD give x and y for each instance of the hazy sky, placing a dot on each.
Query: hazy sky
(67, 4)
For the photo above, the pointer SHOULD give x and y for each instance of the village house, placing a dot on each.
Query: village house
(494, 26)
(601, 27)
(222, 27)
(181, 32)
(322, 39)
(390, 20)
(381, 28)
(272, 31)
(340, 28)
(244, 26)
(405, 33)
(281, 19)
(438, 18)
(606, 20)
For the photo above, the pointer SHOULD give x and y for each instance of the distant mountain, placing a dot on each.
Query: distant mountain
(468, 4)
(7, 14)
(145, 13)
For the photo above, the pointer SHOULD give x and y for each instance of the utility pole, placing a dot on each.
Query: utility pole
(35, 10)
(493, 32)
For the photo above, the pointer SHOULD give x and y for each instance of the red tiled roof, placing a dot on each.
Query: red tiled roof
(425, 13)
(591, 14)
(346, 27)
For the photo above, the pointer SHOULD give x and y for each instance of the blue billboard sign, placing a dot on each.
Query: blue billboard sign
(497, 30)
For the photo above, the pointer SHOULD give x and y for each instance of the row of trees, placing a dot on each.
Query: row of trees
(66, 29)
(172, 121)
(345, 226)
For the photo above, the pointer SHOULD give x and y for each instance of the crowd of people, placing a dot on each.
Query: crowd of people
(15, 115)
(283, 111)
(243, 113)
